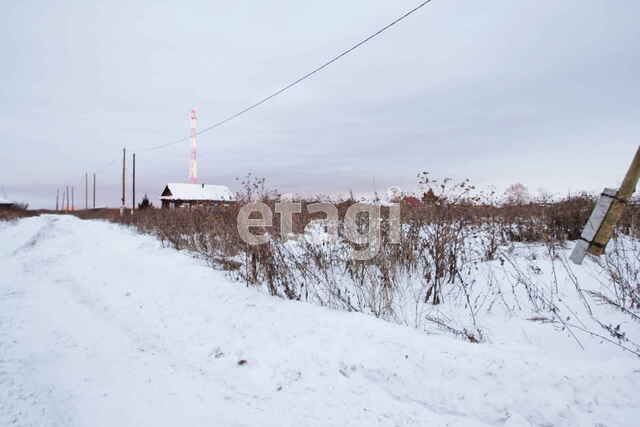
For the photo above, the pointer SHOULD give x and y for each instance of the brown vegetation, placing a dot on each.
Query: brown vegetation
(442, 240)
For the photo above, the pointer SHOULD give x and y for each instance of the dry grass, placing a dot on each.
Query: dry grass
(442, 240)
(10, 214)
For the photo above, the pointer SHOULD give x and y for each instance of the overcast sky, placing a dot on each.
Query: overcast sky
(543, 93)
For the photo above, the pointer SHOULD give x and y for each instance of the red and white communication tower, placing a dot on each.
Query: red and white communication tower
(193, 167)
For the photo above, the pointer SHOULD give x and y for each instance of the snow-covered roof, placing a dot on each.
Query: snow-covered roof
(5, 201)
(180, 191)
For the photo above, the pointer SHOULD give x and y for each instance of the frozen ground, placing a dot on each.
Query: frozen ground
(101, 326)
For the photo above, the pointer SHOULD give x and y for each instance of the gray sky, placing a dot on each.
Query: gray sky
(544, 93)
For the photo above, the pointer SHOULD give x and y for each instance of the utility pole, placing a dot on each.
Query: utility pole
(57, 198)
(599, 228)
(66, 192)
(73, 200)
(124, 161)
(86, 190)
(623, 195)
(94, 190)
(133, 197)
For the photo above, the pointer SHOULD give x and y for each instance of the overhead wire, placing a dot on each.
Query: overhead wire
(293, 83)
(279, 91)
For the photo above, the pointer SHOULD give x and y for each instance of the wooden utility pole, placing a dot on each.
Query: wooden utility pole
(94, 190)
(133, 196)
(73, 199)
(66, 192)
(57, 198)
(86, 190)
(609, 208)
(124, 161)
(623, 195)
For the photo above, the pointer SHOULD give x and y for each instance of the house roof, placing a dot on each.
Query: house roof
(180, 191)
(5, 201)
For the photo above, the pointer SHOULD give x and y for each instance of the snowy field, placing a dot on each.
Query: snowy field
(101, 326)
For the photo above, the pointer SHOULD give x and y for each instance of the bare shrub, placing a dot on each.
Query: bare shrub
(446, 236)
(621, 263)
(16, 211)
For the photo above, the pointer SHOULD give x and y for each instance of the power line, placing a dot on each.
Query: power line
(279, 91)
(295, 82)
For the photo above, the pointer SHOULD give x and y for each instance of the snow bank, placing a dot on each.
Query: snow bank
(102, 326)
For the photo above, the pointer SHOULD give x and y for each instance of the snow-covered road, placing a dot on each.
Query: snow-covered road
(100, 326)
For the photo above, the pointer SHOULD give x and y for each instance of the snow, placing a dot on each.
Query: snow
(181, 191)
(4, 201)
(92, 335)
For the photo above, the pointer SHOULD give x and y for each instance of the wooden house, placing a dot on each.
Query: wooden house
(4, 203)
(177, 195)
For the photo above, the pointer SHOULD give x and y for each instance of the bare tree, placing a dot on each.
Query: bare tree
(516, 194)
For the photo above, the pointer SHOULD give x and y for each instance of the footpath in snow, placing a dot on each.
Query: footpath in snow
(100, 326)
